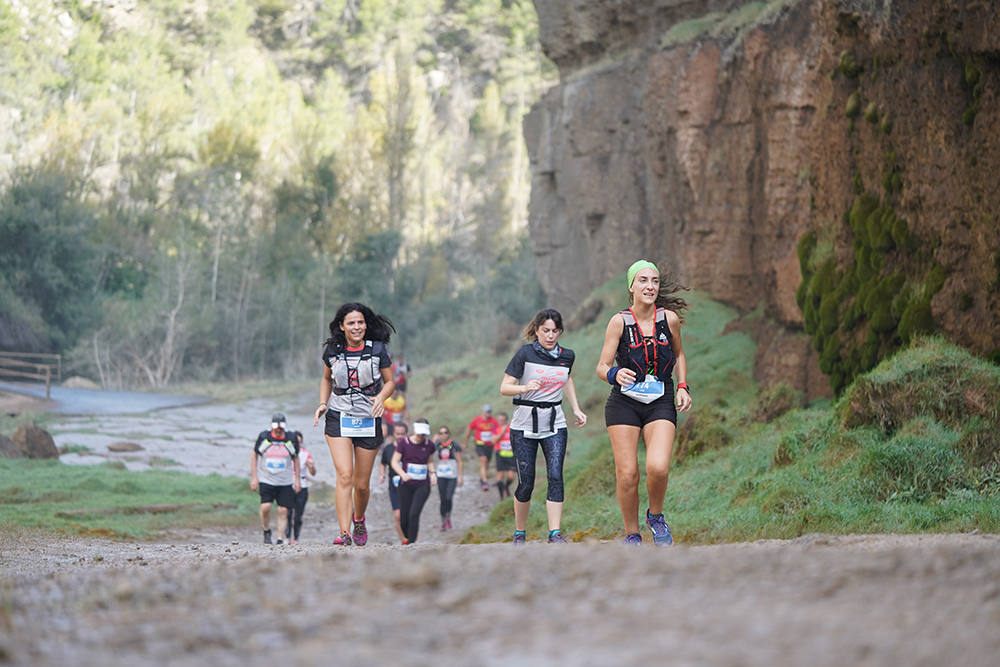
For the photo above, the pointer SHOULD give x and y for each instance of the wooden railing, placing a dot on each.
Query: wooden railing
(30, 366)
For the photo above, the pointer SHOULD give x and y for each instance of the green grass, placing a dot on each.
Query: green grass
(108, 501)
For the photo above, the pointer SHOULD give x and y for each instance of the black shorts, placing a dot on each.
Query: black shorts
(506, 463)
(484, 450)
(622, 410)
(284, 495)
(333, 430)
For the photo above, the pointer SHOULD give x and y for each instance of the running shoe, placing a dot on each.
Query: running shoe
(557, 538)
(519, 537)
(344, 539)
(633, 538)
(484, 485)
(280, 542)
(444, 525)
(661, 531)
(360, 533)
(448, 521)
(267, 537)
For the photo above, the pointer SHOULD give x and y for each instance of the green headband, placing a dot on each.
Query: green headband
(636, 268)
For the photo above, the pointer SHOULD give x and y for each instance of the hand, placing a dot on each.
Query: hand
(381, 478)
(405, 477)
(581, 418)
(534, 385)
(319, 413)
(297, 486)
(683, 400)
(459, 481)
(378, 409)
(625, 377)
(253, 485)
(434, 479)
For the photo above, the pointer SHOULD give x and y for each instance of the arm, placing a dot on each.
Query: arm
(311, 466)
(253, 470)
(388, 386)
(683, 397)
(431, 469)
(297, 485)
(397, 465)
(468, 434)
(510, 387)
(459, 459)
(325, 387)
(570, 390)
(625, 376)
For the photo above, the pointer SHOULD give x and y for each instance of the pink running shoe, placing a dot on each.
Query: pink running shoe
(360, 533)
(343, 540)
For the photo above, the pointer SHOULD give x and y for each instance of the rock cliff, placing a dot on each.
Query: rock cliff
(710, 136)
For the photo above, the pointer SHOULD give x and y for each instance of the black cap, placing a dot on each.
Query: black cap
(279, 418)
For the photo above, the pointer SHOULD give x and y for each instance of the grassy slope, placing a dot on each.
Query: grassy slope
(839, 468)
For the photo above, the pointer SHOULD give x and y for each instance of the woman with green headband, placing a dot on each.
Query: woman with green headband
(642, 345)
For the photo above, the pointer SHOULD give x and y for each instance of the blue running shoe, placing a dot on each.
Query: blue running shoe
(519, 537)
(633, 538)
(661, 531)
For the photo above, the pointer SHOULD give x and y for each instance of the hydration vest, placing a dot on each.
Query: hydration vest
(367, 380)
(646, 354)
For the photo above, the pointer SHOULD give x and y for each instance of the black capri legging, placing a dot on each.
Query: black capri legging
(526, 452)
(411, 503)
(446, 492)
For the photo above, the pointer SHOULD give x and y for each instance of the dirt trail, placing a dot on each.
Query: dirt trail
(818, 600)
(227, 599)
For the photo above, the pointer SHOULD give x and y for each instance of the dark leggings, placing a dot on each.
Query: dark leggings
(446, 490)
(411, 503)
(525, 453)
(295, 514)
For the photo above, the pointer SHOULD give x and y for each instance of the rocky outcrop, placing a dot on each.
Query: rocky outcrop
(29, 442)
(711, 141)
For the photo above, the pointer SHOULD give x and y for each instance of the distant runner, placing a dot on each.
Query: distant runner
(642, 345)
(506, 466)
(274, 472)
(385, 472)
(481, 430)
(449, 473)
(537, 377)
(356, 381)
(307, 468)
(414, 463)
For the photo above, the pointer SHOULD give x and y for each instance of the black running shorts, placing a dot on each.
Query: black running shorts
(506, 463)
(284, 495)
(485, 450)
(333, 430)
(622, 410)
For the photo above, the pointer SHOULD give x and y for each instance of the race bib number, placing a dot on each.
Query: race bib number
(486, 436)
(506, 449)
(646, 391)
(357, 427)
(417, 470)
(445, 454)
(447, 469)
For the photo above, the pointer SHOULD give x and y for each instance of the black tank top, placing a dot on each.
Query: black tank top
(651, 353)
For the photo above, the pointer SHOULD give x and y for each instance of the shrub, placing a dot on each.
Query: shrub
(775, 401)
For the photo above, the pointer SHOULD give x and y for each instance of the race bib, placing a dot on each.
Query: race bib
(445, 453)
(395, 480)
(357, 427)
(486, 436)
(447, 469)
(276, 464)
(506, 449)
(646, 391)
(417, 470)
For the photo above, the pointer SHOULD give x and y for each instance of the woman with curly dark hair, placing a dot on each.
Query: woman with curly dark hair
(642, 346)
(357, 378)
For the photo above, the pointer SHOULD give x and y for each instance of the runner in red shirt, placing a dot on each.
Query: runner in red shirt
(482, 430)
(506, 465)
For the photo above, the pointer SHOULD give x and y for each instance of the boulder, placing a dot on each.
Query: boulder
(77, 382)
(9, 449)
(35, 443)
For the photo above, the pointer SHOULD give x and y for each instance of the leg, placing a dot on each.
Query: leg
(554, 450)
(265, 516)
(300, 508)
(625, 445)
(420, 495)
(342, 451)
(659, 438)
(525, 454)
(405, 501)
(446, 491)
(289, 520)
(282, 520)
(482, 469)
(398, 525)
(364, 460)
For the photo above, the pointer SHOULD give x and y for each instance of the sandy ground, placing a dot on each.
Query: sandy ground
(225, 598)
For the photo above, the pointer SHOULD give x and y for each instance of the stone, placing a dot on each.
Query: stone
(35, 443)
(125, 447)
(9, 449)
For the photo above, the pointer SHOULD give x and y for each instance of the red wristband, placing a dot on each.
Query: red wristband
(684, 386)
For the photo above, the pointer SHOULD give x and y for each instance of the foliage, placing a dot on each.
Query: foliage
(217, 179)
(878, 302)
